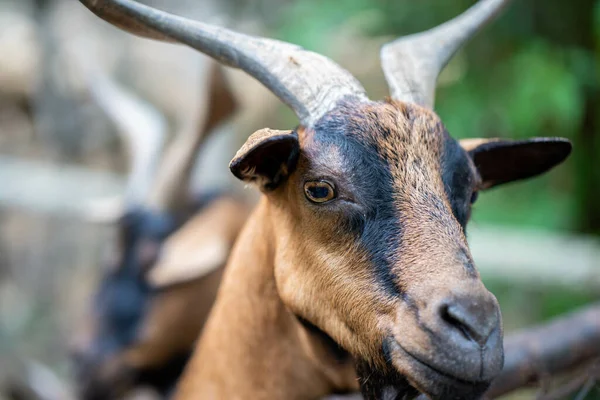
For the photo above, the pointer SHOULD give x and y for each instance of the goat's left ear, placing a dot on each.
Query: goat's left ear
(201, 245)
(501, 161)
(267, 158)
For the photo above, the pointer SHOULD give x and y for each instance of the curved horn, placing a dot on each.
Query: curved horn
(412, 64)
(214, 104)
(307, 82)
(141, 126)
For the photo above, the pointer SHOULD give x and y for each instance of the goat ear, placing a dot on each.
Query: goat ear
(201, 245)
(501, 161)
(267, 158)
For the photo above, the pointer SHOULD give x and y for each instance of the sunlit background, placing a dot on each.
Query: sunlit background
(535, 72)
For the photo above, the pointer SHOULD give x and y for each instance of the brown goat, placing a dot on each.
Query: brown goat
(152, 302)
(355, 262)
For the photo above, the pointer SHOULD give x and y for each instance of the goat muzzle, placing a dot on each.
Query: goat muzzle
(449, 346)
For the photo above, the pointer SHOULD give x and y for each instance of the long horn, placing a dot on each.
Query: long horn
(215, 103)
(307, 82)
(142, 127)
(412, 64)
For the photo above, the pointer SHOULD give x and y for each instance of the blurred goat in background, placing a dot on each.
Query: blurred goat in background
(153, 299)
(165, 263)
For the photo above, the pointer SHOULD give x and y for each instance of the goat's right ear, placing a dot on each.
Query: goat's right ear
(501, 161)
(267, 158)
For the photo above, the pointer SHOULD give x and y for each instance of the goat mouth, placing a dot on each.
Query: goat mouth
(431, 381)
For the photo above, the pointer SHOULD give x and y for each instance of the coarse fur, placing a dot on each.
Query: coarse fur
(379, 270)
(358, 244)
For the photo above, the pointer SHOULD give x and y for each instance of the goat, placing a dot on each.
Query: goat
(353, 269)
(152, 302)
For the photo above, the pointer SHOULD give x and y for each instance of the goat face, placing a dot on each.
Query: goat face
(147, 314)
(369, 209)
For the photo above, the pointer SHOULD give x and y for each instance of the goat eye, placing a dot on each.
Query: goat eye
(474, 197)
(319, 191)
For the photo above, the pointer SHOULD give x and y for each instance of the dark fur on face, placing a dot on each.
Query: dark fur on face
(393, 151)
(360, 236)
(392, 254)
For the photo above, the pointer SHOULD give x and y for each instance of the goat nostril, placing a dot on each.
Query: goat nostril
(453, 321)
(460, 319)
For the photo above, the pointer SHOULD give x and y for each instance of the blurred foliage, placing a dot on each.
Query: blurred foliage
(537, 303)
(532, 73)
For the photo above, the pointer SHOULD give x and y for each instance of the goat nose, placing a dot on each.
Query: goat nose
(475, 320)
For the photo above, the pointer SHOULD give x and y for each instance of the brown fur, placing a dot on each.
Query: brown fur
(251, 334)
(222, 101)
(185, 293)
(290, 260)
(177, 312)
(201, 245)
(175, 319)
